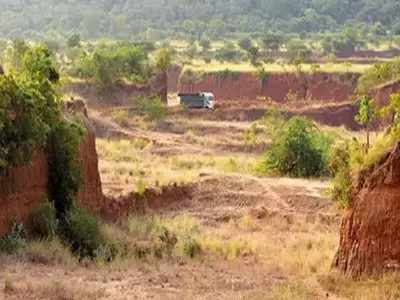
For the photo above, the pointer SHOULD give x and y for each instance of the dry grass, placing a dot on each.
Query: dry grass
(56, 291)
(195, 251)
(294, 290)
(132, 163)
(215, 66)
(52, 253)
(386, 288)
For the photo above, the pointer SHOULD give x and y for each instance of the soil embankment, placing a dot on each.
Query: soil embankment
(121, 94)
(383, 92)
(173, 78)
(335, 115)
(370, 233)
(24, 188)
(330, 114)
(277, 87)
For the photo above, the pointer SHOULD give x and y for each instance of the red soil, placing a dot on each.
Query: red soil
(333, 115)
(152, 199)
(383, 92)
(173, 78)
(370, 232)
(246, 86)
(121, 94)
(25, 188)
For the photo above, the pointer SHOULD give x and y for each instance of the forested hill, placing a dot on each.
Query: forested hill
(213, 18)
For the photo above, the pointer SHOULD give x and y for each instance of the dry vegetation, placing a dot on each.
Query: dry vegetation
(215, 66)
(238, 236)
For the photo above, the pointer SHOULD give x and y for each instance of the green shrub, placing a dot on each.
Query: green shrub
(153, 108)
(109, 64)
(165, 242)
(262, 76)
(43, 222)
(190, 76)
(339, 167)
(251, 135)
(82, 232)
(178, 236)
(298, 149)
(190, 246)
(378, 74)
(15, 241)
(29, 107)
(121, 117)
(226, 74)
(64, 166)
(228, 53)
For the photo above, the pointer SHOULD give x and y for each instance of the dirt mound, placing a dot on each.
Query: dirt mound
(216, 200)
(152, 199)
(370, 232)
(333, 115)
(247, 86)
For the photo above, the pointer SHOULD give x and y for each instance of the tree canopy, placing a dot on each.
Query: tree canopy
(155, 19)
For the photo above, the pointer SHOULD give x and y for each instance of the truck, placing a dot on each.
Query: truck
(197, 100)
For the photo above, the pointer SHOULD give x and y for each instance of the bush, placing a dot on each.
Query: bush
(339, 167)
(43, 222)
(109, 64)
(64, 167)
(226, 74)
(29, 107)
(154, 109)
(190, 246)
(298, 149)
(190, 76)
(47, 252)
(13, 242)
(121, 117)
(228, 53)
(82, 232)
(262, 76)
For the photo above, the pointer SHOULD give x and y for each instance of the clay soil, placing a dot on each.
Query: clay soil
(284, 232)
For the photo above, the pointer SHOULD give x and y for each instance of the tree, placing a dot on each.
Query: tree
(192, 19)
(392, 110)
(366, 116)
(163, 59)
(74, 40)
(254, 52)
(205, 44)
(30, 107)
(15, 53)
(227, 53)
(272, 42)
(192, 51)
(246, 44)
(108, 64)
(298, 51)
(298, 149)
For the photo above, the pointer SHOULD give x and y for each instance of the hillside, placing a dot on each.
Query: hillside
(154, 19)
